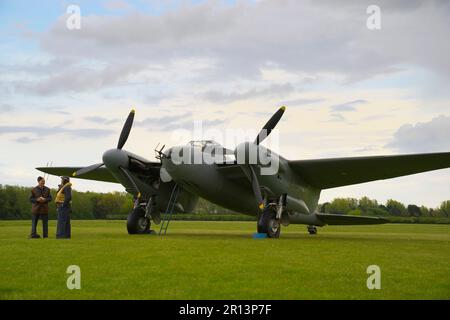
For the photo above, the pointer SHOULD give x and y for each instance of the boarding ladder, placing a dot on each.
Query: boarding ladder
(170, 208)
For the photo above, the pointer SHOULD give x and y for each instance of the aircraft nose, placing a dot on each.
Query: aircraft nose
(115, 158)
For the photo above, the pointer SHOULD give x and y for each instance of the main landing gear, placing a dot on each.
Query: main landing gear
(138, 222)
(268, 223)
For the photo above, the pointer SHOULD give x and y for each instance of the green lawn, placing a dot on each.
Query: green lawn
(220, 260)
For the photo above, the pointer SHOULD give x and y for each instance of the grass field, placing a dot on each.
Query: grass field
(220, 260)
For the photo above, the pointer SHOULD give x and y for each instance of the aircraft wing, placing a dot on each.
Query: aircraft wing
(338, 219)
(331, 173)
(100, 174)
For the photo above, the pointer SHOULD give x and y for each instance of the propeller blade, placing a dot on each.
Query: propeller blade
(257, 189)
(87, 169)
(126, 130)
(270, 125)
(131, 179)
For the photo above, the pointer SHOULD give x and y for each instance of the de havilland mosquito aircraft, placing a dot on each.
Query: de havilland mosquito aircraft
(288, 195)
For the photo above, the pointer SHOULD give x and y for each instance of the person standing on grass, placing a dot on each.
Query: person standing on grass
(40, 197)
(64, 208)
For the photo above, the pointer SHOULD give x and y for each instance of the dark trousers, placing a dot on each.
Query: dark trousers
(63, 226)
(34, 222)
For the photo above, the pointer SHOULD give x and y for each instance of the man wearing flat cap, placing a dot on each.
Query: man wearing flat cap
(40, 197)
(64, 208)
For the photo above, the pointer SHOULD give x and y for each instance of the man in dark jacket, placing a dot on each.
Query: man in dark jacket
(63, 205)
(40, 197)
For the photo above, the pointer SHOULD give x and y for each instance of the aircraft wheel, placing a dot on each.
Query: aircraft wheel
(312, 230)
(268, 224)
(137, 222)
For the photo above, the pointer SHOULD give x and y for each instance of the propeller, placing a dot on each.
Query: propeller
(131, 179)
(263, 134)
(126, 130)
(269, 126)
(256, 189)
(87, 169)
(122, 140)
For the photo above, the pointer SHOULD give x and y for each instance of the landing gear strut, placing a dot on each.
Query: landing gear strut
(267, 223)
(312, 230)
(137, 222)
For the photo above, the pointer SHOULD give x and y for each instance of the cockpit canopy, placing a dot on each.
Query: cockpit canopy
(203, 143)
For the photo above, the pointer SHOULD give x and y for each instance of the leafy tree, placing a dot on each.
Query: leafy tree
(365, 204)
(445, 208)
(378, 211)
(355, 212)
(342, 205)
(424, 211)
(414, 210)
(396, 208)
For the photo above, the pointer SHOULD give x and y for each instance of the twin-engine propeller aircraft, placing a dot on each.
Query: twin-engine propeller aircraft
(288, 195)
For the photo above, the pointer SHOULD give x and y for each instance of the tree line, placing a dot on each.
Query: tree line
(371, 207)
(15, 205)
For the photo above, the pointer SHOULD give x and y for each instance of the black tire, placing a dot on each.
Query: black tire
(137, 223)
(268, 224)
(312, 230)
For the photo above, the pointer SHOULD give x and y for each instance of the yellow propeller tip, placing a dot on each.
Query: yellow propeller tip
(283, 108)
(261, 206)
(133, 110)
(139, 195)
(74, 174)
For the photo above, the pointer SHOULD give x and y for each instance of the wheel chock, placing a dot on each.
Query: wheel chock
(257, 235)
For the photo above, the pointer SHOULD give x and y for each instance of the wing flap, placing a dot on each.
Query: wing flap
(100, 174)
(331, 173)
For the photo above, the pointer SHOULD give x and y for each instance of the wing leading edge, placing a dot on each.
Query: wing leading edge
(100, 174)
(338, 172)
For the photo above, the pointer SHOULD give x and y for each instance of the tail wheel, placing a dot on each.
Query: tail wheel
(267, 223)
(312, 230)
(137, 222)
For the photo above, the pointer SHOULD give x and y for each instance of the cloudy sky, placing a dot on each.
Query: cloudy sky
(349, 91)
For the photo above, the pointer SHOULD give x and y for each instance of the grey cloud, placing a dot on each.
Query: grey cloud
(6, 108)
(26, 140)
(335, 113)
(337, 117)
(257, 113)
(237, 42)
(182, 121)
(293, 35)
(155, 99)
(62, 112)
(79, 79)
(101, 120)
(300, 102)
(429, 136)
(348, 106)
(369, 148)
(270, 91)
(50, 131)
(117, 5)
(376, 117)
